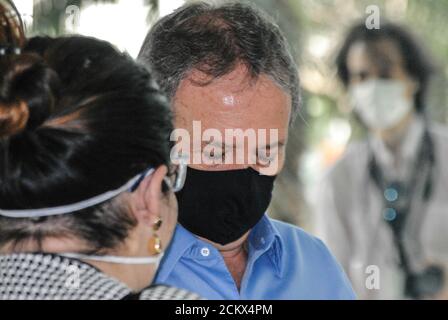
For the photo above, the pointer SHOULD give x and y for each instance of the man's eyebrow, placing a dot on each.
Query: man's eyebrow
(279, 144)
(212, 143)
(221, 144)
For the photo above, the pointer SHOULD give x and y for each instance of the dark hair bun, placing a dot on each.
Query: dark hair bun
(28, 93)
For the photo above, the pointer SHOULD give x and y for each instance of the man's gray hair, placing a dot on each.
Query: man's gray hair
(214, 39)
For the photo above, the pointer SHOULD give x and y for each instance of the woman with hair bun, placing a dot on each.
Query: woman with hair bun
(86, 194)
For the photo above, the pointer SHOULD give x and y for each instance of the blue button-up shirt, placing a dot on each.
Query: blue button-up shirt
(284, 262)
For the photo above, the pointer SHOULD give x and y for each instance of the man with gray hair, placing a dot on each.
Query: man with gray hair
(227, 68)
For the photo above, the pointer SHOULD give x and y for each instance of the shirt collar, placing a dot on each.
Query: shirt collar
(263, 238)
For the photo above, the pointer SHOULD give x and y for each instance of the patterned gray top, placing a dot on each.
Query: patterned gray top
(41, 276)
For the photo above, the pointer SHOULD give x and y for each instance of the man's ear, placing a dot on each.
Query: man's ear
(147, 197)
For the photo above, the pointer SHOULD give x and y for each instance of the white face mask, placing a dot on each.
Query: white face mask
(381, 103)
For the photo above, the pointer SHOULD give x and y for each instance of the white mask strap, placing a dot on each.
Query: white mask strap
(45, 212)
(115, 259)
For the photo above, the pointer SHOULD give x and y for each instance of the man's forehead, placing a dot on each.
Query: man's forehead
(236, 92)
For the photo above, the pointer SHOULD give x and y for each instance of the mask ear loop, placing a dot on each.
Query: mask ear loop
(154, 244)
(75, 207)
(142, 177)
(181, 175)
(147, 173)
(115, 259)
(130, 186)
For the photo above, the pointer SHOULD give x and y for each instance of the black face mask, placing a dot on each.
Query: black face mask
(221, 206)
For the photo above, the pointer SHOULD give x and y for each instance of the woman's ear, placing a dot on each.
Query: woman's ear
(147, 197)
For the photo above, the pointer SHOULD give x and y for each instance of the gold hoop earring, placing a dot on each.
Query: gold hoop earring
(155, 244)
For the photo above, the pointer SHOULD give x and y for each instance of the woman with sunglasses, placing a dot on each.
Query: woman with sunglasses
(86, 197)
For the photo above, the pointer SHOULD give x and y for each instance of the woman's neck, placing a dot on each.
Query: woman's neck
(393, 137)
(136, 277)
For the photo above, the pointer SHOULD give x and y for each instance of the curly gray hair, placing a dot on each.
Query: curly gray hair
(214, 38)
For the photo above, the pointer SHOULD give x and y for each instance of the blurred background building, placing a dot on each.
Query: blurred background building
(315, 29)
